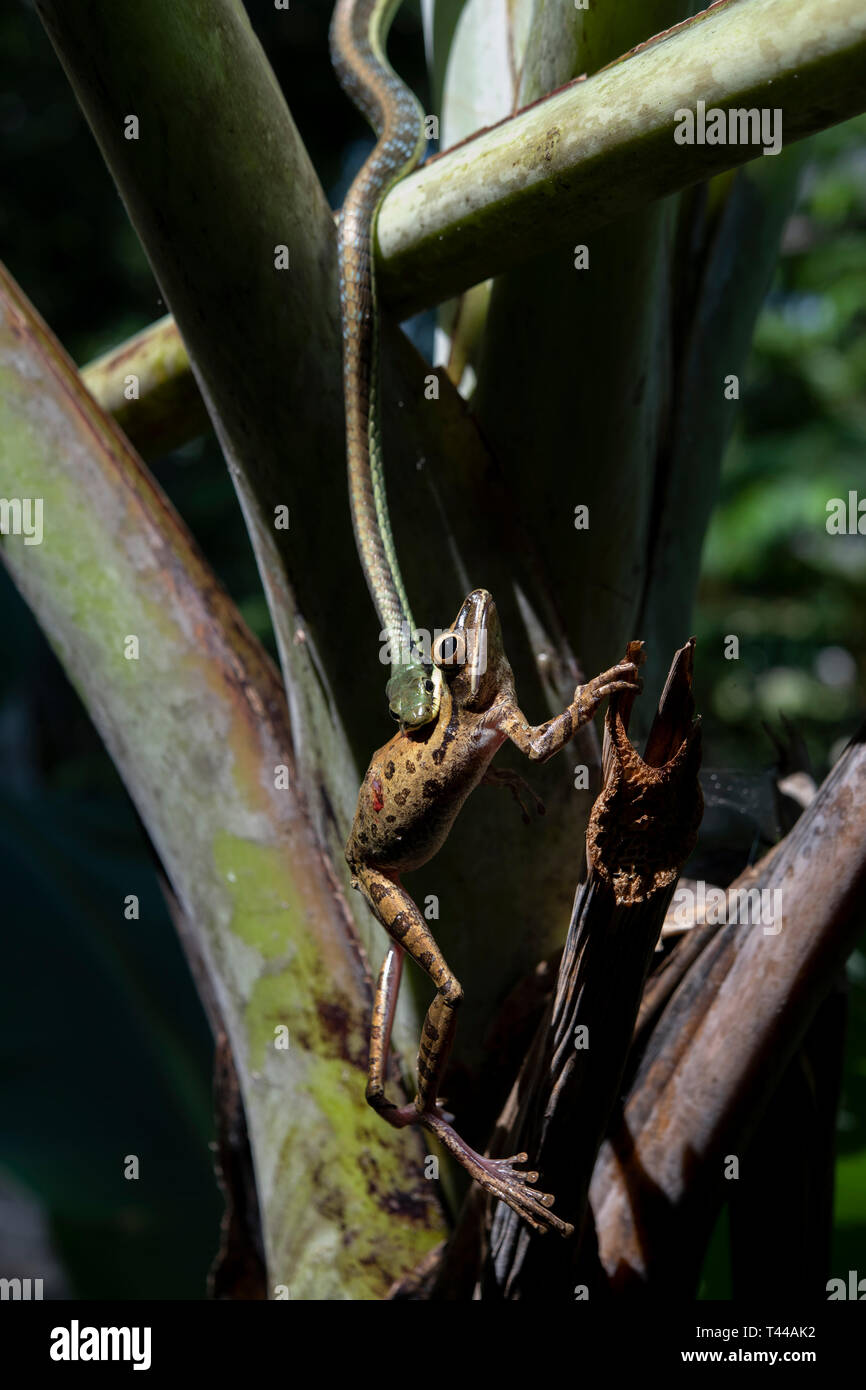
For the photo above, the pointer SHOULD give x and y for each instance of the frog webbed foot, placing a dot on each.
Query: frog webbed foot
(501, 1178)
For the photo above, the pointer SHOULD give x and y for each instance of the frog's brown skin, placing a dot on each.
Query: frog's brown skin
(410, 796)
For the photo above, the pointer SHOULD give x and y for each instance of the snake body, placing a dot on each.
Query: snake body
(359, 29)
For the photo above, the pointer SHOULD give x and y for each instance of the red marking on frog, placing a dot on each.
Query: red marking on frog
(378, 799)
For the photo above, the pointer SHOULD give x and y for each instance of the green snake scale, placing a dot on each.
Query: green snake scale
(359, 30)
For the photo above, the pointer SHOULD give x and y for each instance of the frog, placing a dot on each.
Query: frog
(411, 794)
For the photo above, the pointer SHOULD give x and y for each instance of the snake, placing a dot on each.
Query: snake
(358, 35)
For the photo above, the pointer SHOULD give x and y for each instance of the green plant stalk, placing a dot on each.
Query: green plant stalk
(587, 155)
(197, 726)
(147, 384)
(603, 148)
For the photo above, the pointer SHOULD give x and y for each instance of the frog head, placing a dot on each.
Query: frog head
(470, 655)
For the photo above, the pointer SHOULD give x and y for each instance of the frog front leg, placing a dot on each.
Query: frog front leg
(400, 917)
(540, 741)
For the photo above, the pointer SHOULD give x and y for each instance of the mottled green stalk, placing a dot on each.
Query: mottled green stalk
(604, 147)
(193, 714)
(147, 384)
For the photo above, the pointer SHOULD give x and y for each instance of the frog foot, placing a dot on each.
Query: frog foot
(500, 1177)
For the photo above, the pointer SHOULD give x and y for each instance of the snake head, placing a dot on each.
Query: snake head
(413, 695)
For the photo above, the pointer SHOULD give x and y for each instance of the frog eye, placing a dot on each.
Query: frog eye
(449, 649)
(429, 687)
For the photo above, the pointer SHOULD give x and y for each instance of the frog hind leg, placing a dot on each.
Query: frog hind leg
(400, 917)
(410, 934)
(384, 1004)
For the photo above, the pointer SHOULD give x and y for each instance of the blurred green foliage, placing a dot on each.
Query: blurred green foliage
(104, 1044)
(772, 575)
